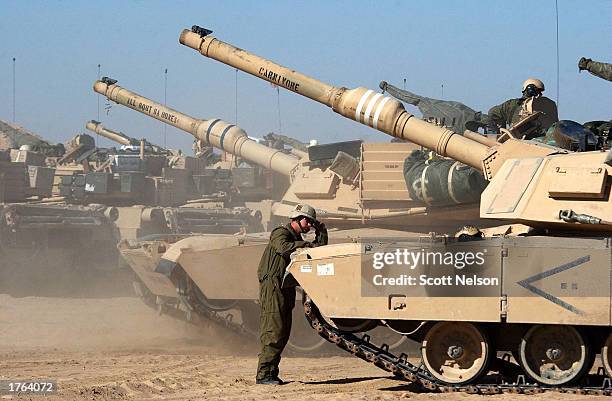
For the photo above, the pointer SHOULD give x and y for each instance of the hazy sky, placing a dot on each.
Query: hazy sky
(480, 51)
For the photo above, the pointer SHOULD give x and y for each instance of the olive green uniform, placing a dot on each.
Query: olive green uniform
(276, 302)
(601, 70)
(507, 113)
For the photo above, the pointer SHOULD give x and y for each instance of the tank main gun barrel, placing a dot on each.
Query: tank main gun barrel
(120, 137)
(98, 128)
(475, 136)
(217, 133)
(360, 104)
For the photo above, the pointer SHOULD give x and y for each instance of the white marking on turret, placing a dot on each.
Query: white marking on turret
(378, 111)
(360, 105)
(366, 117)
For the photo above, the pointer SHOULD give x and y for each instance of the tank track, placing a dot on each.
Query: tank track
(205, 315)
(192, 312)
(400, 367)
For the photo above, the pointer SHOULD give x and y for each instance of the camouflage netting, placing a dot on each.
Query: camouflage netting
(441, 182)
(455, 115)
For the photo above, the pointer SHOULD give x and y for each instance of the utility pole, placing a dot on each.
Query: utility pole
(557, 17)
(165, 101)
(14, 90)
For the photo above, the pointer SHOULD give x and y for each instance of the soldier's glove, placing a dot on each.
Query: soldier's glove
(583, 63)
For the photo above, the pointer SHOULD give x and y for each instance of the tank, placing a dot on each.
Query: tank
(47, 247)
(537, 288)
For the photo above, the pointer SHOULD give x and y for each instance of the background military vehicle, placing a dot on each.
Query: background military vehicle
(43, 233)
(46, 246)
(550, 304)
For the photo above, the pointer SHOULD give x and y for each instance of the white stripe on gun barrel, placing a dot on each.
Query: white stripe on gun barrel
(381, 105)
(360, 105)
(366, 117)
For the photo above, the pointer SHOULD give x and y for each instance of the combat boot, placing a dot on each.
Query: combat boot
(270, 380)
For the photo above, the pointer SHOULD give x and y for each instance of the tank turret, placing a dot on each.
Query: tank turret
(539, 185)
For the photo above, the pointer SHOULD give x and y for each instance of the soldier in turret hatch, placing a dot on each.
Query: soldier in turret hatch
(511, 111)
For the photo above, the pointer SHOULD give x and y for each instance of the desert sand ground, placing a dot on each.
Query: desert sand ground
(119, 349)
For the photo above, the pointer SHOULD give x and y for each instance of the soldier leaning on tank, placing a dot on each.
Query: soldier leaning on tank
(277, 302)
(601, 70)
(512, 111)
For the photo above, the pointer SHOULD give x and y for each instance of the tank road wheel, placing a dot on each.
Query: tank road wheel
(555, 355)
(456, 352)
(606, 355)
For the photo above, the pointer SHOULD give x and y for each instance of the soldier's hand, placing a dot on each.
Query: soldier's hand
(583, 63)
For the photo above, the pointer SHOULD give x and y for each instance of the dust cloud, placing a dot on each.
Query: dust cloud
(80, 324)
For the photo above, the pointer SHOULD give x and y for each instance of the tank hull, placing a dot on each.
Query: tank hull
(545, 300)
(547, 280)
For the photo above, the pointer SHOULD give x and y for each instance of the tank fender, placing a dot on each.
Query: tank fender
(172, 257)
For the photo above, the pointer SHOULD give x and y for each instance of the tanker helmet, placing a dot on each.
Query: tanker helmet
(535, 82)
(469, 232)
(305, 210)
